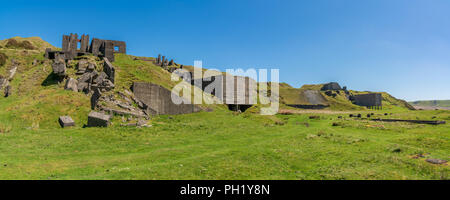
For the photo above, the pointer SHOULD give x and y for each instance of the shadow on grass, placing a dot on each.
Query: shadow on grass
(52, 79)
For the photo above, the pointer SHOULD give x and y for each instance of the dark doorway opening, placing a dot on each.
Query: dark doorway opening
(238, 107)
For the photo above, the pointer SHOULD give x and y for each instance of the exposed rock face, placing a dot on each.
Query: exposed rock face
(66, 121)
(59, 67)
(96, 119)
(71, 84)
(158, 100)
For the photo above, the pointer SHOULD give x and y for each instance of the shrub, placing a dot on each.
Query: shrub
(3, 59)
(26, 45)
(12, 43)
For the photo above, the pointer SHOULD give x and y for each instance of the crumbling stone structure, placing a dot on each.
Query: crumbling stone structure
(331, 86)
(163, 62)
(98, 47)
(371, 100)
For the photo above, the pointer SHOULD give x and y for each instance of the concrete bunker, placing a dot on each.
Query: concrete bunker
(158, 100)
(237, 92)
(371, 100)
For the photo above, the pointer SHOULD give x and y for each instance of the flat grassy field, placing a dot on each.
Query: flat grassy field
(226, 145)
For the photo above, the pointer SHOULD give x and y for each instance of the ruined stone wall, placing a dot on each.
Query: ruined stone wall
(159, 99)
(371, 99)
(98, 47)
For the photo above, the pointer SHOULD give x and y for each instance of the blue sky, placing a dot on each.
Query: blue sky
(398, 46)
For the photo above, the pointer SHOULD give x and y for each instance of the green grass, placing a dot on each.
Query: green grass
(438, 103)
(206, 145)
(222, 145)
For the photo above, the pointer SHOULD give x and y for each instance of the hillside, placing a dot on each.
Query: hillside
(336, 100)
(38, 99)
(433, 104)
(212, 144)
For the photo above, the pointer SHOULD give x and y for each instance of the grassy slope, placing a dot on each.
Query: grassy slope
(290, 95)
(438, 103)
(205, 145)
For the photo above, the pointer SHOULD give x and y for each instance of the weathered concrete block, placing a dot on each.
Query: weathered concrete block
(95, 97)
(158, 100)
(96, 119)
(71, 84)
(66, 121)
(108, 68)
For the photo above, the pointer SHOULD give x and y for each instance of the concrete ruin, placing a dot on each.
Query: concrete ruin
(96, 119)
(331, 86)
(371, 100)
(73, 47)
(157, 100)
(66, 121)
(238, 93)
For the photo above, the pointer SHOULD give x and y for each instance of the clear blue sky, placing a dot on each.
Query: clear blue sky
(398, 46)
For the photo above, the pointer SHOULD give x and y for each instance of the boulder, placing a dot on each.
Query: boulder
(71, 84)
(59, 67)
(87, 77)
(99, 78)
(66, 121)
(82, 86)
(96, 119)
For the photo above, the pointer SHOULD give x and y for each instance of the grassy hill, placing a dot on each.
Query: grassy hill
(207, 145)
(291, 95)
(437, 103)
